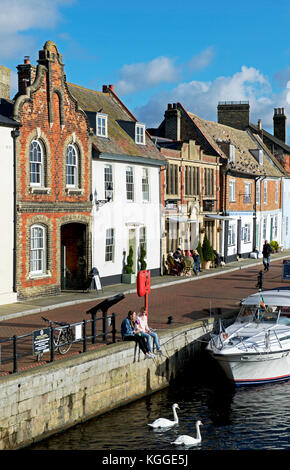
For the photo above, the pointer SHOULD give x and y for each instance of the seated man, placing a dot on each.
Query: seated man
(172, 266)
(128, 333)
(142, 327)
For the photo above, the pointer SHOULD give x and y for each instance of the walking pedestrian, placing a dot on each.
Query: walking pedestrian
(128, 333)
(267, 250)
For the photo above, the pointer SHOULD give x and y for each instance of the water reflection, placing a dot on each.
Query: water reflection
(244, 419)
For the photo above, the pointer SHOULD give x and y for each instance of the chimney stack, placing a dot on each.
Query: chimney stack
(26, 75)
(172, 122)
(234, 114)
(4, 82)
(108, 87)
(279, 121)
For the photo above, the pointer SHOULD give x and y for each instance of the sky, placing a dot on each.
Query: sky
(161, 51)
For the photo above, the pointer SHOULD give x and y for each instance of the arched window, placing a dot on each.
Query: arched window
(37, 249)
(72, 166)
(36, 160)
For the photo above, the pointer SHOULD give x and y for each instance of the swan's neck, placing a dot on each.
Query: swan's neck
(175, 415)
(198, 435)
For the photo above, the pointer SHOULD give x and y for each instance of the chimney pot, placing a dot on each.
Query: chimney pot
(259, 124)
(169, 106)
(111, 87)
(26, 59)
(105, 88)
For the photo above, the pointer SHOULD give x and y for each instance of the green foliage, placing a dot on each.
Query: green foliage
(142, 258)
(129, 266)
(207, 251)
(199, 249)
(274, 245)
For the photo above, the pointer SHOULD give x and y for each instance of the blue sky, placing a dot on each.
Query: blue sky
(159, 52)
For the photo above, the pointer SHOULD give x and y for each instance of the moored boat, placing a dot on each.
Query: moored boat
(255, 348)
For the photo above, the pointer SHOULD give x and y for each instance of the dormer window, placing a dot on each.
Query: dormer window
(102, 125)
(140, 134)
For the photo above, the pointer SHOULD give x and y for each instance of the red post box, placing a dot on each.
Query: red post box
(144, 286)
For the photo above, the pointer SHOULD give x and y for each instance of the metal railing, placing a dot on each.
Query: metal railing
(16, 347)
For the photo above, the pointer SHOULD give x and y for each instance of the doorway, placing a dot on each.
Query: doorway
(73, 256)
(132, 243)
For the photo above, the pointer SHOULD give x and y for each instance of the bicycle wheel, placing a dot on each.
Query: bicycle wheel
(65, 341)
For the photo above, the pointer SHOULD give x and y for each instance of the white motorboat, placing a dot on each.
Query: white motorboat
(255, 348)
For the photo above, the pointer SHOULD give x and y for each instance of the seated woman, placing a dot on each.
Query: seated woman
(172, 266)
(128, 333)
(142, 327)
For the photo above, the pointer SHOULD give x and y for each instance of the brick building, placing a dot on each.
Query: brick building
(53, 180)
(239, 188)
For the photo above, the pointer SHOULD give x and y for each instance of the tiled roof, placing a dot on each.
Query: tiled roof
(120, 140)
(245, 162)
(271, 137)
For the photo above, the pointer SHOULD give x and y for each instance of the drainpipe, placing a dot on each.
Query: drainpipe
(14, 134)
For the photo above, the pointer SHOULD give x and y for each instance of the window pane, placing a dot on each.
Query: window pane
(36, 163)
(37, 249)
(71, 166)
(145, 185)
(109, 251)
(129, 184)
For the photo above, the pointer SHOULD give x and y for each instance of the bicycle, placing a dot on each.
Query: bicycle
(62, 335)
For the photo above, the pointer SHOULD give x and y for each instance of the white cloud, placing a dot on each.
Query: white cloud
(137, 77)
(19, 16)
(202, 60)
(202, 98)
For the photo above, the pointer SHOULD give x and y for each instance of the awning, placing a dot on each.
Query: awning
(219, 217)
(181, 219)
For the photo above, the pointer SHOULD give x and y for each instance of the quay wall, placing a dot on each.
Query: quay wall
(48, 399)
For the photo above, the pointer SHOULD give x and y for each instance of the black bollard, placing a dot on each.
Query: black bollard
(170, 320)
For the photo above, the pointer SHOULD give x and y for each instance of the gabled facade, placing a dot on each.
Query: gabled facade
(125, 186)
(53, 170)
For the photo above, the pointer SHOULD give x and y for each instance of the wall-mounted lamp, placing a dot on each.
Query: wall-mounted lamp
(101, 202)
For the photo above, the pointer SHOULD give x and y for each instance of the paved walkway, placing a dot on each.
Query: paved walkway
(42, 304)
(185, 299)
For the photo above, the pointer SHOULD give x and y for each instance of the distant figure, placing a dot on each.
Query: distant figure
(188, 264)
(177, 256)
(267, 250)
(260, 280)
(128, 333)
(196, 259)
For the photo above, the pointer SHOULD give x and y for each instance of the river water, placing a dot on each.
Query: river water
(252, 418)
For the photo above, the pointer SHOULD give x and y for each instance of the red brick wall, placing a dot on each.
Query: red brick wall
(49, 98)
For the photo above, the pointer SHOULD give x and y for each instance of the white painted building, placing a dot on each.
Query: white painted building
(285, 226)
(126, 194)
(7, 293)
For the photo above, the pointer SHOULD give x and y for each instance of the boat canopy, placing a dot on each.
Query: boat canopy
(278, 297)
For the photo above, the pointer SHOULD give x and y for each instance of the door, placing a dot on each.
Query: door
(73, 256)
(133, 244)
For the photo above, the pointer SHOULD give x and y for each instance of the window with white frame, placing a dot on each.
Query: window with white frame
(286, 226)
(37, 250)
(142, 238)
(140, 133)
(232, 190)
(108, 182)
(258, 188)
(72, 166)
(129, 183)
(247, 233)
(264, 228)
(232, 235)
(265, 192)
(36, 161)
(145, 184)
(275, 227)
(102, 125)
(276, 192)
(110, 242)
(248, 192)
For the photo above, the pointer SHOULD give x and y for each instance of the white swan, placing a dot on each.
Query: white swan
(165, 423)
(188, 440)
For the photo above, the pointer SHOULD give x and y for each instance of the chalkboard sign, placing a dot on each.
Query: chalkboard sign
(286, 270)
(41, 341)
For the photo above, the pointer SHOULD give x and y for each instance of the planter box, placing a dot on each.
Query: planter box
(206, 264)
(128, 278)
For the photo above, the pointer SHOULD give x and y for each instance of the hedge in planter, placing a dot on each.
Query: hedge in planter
(207, 251)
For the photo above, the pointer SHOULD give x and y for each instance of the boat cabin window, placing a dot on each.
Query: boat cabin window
(272, 314)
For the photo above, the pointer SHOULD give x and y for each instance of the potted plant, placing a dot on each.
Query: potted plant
(208, 254)
(199, 250)
(143, 264)
(129, 277)
(275, 246)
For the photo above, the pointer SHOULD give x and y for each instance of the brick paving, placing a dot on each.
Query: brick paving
(186, 300)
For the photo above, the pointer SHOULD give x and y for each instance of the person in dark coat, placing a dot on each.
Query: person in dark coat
(267, 250)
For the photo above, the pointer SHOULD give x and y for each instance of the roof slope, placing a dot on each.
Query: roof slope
(244, 142)
(121, 139)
